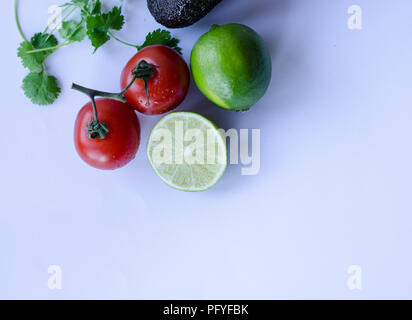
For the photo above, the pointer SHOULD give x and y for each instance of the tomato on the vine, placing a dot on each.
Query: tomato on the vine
(164, 88)
(121, 136)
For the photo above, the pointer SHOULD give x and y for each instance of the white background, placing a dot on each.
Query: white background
(334, 188)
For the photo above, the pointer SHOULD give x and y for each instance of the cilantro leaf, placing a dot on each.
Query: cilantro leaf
(78, 3)
(28, 60)
(99, 26)
(44, 40)
(41, 88)
(163, 37)
(97, 31)
(34, 61)
(115, 19)
(88, 7)
(72, 31)
(95, 7)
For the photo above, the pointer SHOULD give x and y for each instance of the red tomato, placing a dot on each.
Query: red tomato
(122, 141)
(168, 86)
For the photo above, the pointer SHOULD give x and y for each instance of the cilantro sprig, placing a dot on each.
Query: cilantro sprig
(161, 37)
(94, 23)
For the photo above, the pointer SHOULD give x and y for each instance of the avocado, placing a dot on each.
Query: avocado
(180, 13)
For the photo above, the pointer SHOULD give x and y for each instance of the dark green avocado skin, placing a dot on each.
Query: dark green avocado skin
(180, 13)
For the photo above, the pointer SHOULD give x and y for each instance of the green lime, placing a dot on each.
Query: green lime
(232, 66)
(187, 151)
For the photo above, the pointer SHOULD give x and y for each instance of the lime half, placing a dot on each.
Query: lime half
(187, 151)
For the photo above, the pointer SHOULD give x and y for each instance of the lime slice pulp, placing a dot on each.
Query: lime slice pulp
(187, 151)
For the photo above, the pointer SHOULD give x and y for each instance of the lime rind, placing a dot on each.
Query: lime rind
(231, 65)
(190, 177)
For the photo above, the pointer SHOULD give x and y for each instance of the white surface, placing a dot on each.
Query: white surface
(334, 188)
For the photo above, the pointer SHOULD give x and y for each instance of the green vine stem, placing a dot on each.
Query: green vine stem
(16, 19)
(121, 41)
(48, 26)
(95, 128)
(63, 44)
(63, 19)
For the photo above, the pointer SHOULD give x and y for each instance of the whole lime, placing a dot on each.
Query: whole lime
(232, 67)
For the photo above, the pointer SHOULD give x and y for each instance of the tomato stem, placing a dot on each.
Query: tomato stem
(144, 71)
(96, 93)
(97, 129)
